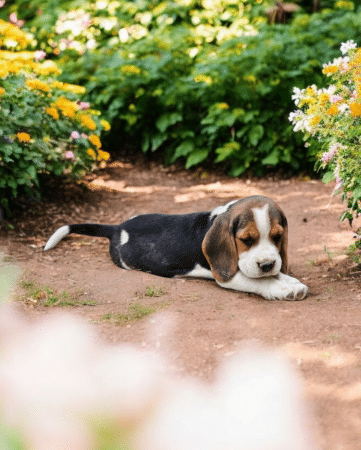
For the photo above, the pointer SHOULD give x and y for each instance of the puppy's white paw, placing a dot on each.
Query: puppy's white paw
(285, 287)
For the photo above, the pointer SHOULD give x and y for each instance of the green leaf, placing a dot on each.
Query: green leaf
(31, 171)
(165, 120)
(157, 140)
(227, 150)
(356, 193)
(255, 134)
(145, 143)
(183, 149)
(272, 159)
(237, 170)
(196, 157)
(328, 176)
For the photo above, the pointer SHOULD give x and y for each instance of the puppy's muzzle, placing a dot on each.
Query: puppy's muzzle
(267, 266)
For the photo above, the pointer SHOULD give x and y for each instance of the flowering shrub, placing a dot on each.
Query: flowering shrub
(44, 127)
(197, 81)
(60, 389)
(332, 116)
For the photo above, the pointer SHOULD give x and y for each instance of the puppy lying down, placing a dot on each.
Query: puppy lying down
(241, 245)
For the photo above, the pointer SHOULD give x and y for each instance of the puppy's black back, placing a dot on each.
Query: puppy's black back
(164, 244)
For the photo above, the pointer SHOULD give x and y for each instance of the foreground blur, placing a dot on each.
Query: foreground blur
(61, 389)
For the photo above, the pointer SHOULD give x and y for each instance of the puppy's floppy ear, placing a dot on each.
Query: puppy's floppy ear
(220, 250)
(284, 243)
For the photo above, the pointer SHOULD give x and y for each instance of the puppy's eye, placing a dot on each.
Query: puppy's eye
(248, 242)
(276, 238)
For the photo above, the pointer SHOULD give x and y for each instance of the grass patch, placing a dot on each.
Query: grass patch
(135, 311)
(42, 295)
(151, 291)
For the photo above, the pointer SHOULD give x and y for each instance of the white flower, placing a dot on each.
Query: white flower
(254, 404)
(294, 115)
(300, 121)
(343, 107)
(123, 35)
(346, 46)
(56, 381)
(297, 95)
(330, 90)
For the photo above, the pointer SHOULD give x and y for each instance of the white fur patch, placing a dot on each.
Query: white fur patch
(59, 234)
(280, 287)
(125, 266)
(264, 252)
(222, 209)
(124, 237)
(262, 220)
(199, 272)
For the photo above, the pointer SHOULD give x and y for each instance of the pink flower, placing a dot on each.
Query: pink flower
(84, 105)
(39, 55)
(339, 183)
(69, 155)
(74, 135)
(336, 98)
(328, 156)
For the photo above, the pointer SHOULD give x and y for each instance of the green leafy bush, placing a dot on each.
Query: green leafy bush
(197, 80)
(44, 128)
(225, 101)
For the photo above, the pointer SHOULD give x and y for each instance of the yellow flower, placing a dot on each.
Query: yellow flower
(203, 79)
(315, 120)
(222, 105)
(355, 109)
(46, 68)
(129, 69)
(324, 97)
(53, 112)
(103, 155)
(3, 71)
(329, 70)
(37, 84)
(67, 107)
(75, 89)
(344, 5)
(23, 137)
(91, 153)
(95, 141)
(12, 33)
(2, 91)
(105, 124)
(332, 111)
(88, 122)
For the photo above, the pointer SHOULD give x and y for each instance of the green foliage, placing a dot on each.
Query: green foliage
(197, 81)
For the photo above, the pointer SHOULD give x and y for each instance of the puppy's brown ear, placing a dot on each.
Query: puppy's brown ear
(284, 243)
(220, 250)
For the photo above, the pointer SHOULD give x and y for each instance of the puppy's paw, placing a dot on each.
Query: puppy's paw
(285, 287)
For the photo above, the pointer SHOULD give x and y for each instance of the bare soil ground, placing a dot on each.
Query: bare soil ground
(321, 334)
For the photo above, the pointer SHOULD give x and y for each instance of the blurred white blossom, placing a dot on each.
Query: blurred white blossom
(61, 389)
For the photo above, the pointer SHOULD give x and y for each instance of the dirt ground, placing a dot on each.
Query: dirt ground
(200, 322)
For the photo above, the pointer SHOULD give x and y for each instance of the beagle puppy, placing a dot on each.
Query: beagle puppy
(242, 245)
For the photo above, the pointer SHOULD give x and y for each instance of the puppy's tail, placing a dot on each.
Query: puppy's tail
(88, 229)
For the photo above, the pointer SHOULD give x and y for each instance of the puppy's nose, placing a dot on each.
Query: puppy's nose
(267, 266)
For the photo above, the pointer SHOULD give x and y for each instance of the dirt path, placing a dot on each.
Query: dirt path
(321, 334)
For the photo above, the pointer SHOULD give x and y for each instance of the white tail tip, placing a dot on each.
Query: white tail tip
(57, 237)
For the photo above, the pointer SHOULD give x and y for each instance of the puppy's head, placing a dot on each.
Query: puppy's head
(250, 236)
